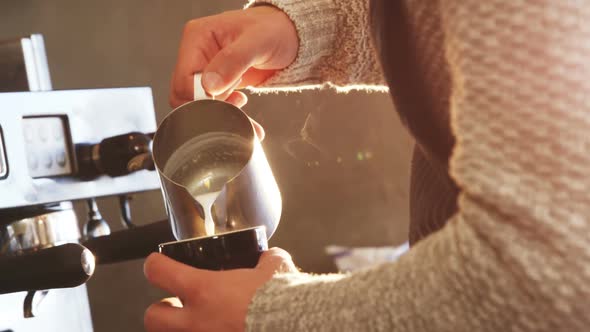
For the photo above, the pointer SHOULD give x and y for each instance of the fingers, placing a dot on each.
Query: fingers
(162, 316)
(237, 98)
(225, 95)
(230, 63)
(177, 97)
(255, 77)
(259, 129)
(276, 260)
(253, 43)
(222, 68)
(240, 99)
(171, 276)
(198, 45)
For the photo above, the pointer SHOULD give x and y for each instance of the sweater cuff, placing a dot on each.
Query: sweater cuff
(316, 24)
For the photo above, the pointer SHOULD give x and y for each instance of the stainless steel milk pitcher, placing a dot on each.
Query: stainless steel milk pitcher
(214, 174)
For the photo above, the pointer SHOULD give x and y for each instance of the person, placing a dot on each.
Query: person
(495, 94)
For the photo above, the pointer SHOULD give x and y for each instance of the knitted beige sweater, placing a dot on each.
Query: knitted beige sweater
(517, 254)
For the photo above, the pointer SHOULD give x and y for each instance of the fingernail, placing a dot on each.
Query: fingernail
(212, 82)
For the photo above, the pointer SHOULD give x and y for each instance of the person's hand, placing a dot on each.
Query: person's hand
(209, 300)
(234, 49)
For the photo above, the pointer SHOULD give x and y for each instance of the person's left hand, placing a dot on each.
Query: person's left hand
(209, 300)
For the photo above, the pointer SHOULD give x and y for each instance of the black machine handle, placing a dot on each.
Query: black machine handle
(63, 266)
(72, 264)
(115, 156)
(132, 243)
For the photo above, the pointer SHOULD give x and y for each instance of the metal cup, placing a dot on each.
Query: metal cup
(208, 151)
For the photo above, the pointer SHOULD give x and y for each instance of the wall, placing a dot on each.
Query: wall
(348, 186)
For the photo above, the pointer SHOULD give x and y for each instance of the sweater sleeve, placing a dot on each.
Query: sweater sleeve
(516, 256)
(335, 47)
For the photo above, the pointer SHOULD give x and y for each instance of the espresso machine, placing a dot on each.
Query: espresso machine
(58, 148)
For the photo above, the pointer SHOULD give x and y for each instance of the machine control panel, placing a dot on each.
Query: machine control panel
(43, 131)
(3, 163)
(47, 146)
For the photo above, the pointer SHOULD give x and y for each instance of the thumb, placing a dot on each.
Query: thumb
(230, 64)
(171, 276)
(276, 260)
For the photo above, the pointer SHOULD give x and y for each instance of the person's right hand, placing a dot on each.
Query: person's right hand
(247, 45)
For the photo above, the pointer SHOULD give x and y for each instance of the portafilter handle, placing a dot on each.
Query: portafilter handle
(115, 156)
(63, 266)
(133, 243)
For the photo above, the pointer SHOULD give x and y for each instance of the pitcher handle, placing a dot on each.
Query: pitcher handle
(198, 90)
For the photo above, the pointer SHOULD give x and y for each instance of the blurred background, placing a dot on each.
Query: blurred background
(342, 161)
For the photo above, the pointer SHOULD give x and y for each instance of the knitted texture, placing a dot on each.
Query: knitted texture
(335, 47)
(516, 257)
